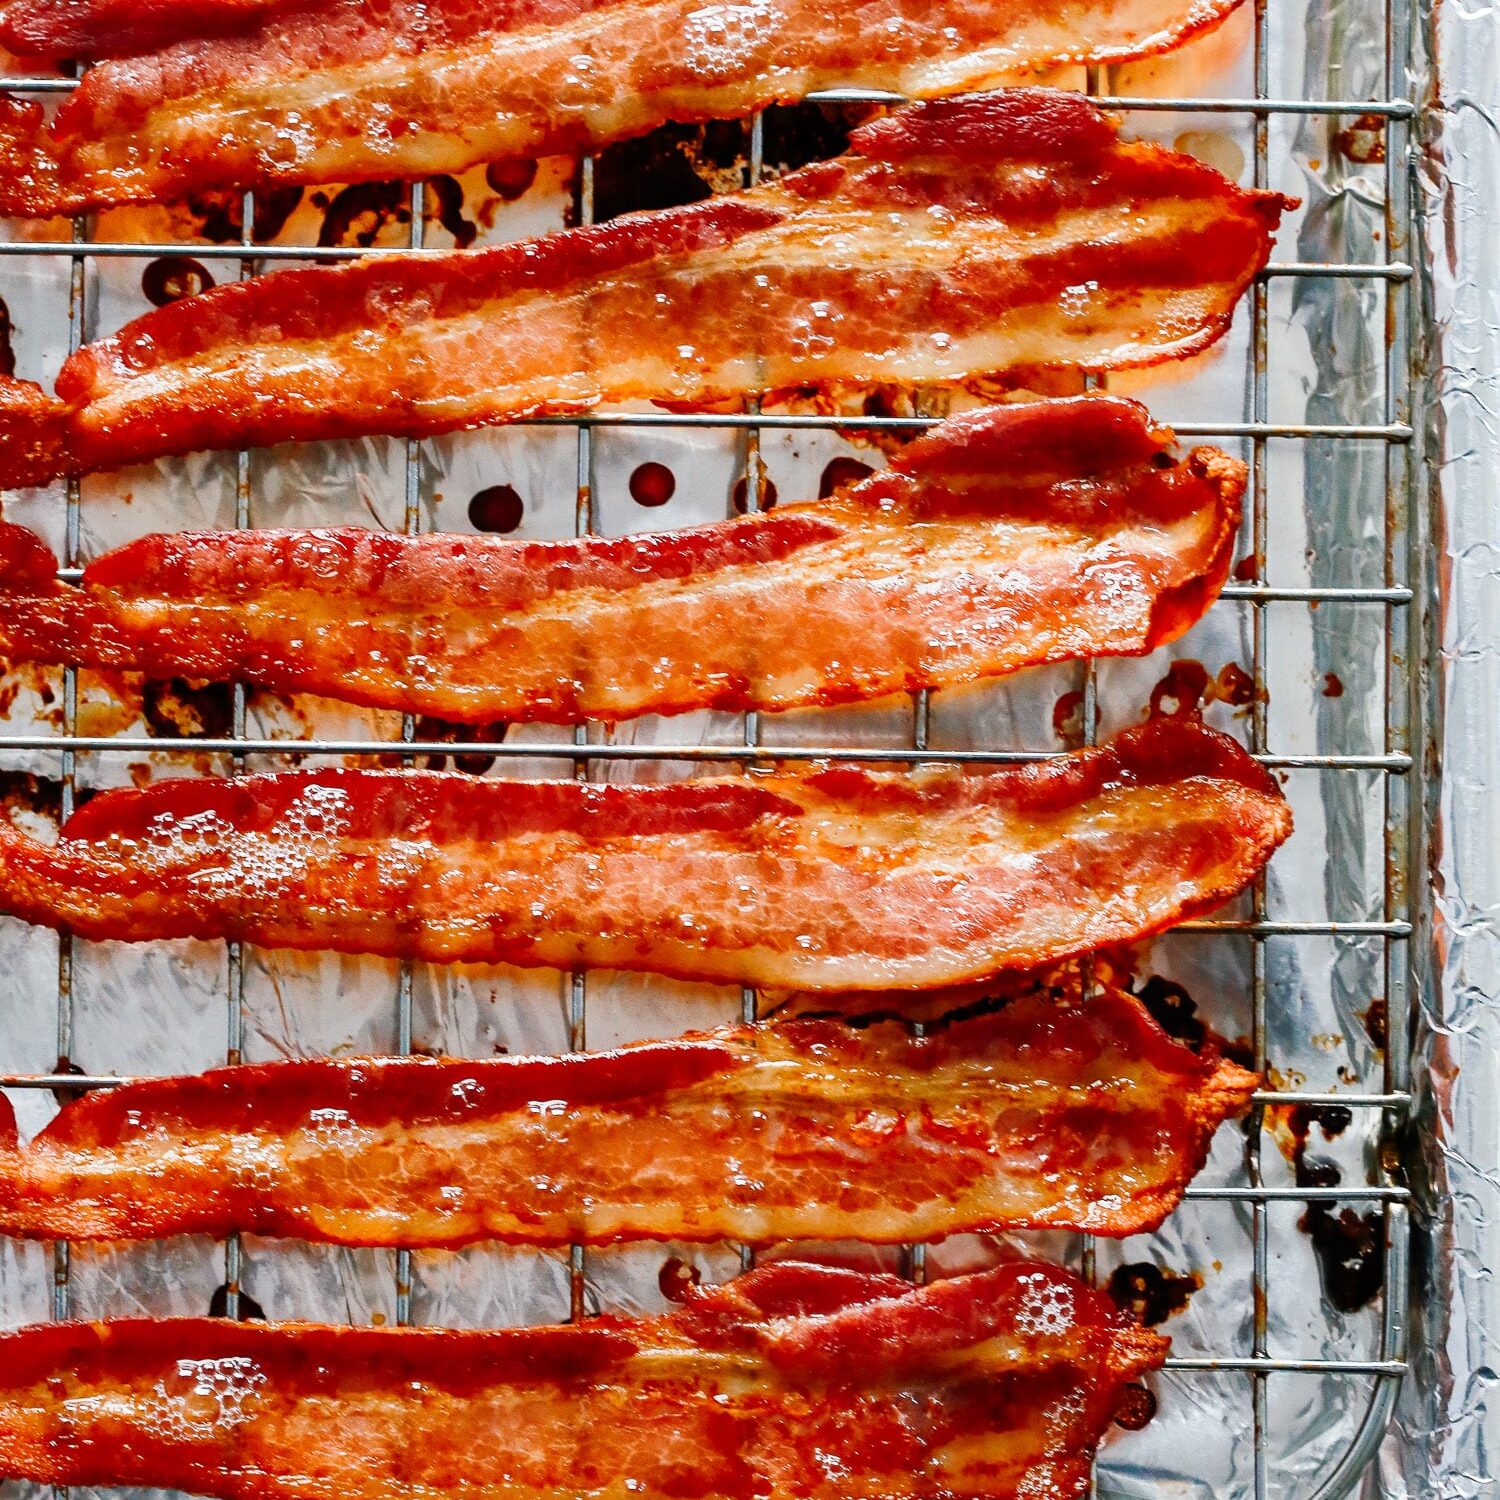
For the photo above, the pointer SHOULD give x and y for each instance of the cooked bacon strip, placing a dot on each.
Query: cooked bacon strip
(1041, 1115)
(993, 233)
(1003, 539)
(830, 879)
(312, 91)
(794, 1380)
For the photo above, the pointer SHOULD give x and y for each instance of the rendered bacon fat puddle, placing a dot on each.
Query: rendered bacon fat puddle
(1043, 1115)
(996, 233)
(1005, 538)
(793, 1380)
(350, 91)
(834, 878)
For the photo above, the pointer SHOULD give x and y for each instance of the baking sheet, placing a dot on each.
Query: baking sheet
(164, 1008)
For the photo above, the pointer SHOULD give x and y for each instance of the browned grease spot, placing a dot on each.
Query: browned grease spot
(250, 1310)
(64, 1094)
(1247, 569)
(444, 205)
(740, 498)
(357, 214)
(675, 1277)
(429, 728)
(511, 179)
(1151, 1293)
(1187, 689)
(7, 334)
(652, 484)
(221, 219)
(181, 710)
(1067, 719)
(840, 472)
(1363, 141)
(1377, 1024)
(1333, 685)
(1349, 1245)
(498, 508)
(24, 791)
(1134, 1407)
(171, 278)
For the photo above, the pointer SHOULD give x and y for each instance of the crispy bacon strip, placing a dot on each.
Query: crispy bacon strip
(349, 91)
(957, 239)
(1041, 1115)
(830, 879)
(794, 1380)
(1003, 539)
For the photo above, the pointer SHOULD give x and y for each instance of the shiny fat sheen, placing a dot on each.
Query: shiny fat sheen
(359, 90)
(833, 878)
(793, 1381)
(999, 233)
(1044, 1114)
(1003, 539)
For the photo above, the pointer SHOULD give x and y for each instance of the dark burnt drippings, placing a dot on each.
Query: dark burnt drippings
(250, 1311)
(24, 791)
(1247, 569)
(652, 484)
(62, 1093)
(511, 179)
(839, 472)
(1333, 685)
(444, 205)
(675, 1277)
(792, 135)
(428, 728)
(1349, 1245)
(7, 337)
(221, 216)
(496, 508)
(1134, 1407)
(1377, 1024)
(673, 165)
(1150, 1293)
(172, 278)
(1174, 1010)
(177, 709)
(357, 214)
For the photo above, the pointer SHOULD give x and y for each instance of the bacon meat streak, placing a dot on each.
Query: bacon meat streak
(835, 878)
(792, 1381)
(1041, 1115)
(1006, 538)
(349, 91)
(999, 232)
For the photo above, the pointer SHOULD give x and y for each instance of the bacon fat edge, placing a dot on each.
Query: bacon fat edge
(1003, 539)
(1081, 1116)
(343, 91)
(794, 1380)
(994, 233)
(834, 878)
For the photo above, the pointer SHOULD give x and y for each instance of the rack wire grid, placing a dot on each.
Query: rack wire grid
(1396, 766)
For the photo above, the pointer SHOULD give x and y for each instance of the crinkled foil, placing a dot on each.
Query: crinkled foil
(1445, 1442)
(166, 1007)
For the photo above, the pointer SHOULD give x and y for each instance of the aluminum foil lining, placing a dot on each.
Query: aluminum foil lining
(163, 1008)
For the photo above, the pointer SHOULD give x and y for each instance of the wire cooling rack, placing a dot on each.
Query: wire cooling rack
(1395, 766)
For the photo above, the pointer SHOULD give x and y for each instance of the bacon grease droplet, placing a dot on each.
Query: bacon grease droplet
(652, 484)
(496, 508)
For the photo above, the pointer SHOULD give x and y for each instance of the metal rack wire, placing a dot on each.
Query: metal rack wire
(1398, 763)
